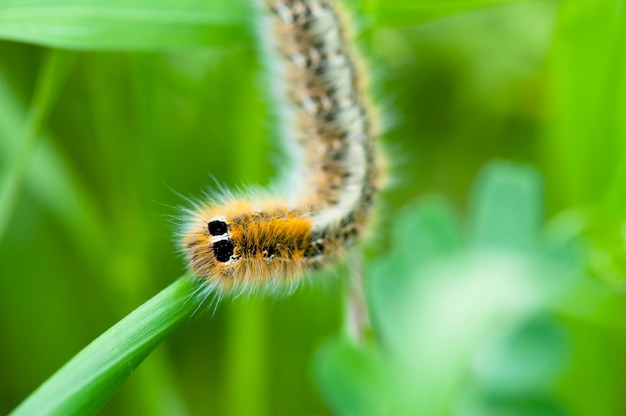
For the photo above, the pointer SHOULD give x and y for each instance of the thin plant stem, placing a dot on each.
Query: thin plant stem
(356, 315)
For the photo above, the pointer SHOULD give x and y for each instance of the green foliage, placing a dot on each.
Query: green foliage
(588, 103)
(484, 316)
(53, 74)
(461, 329)
(168, 24)
(124, 25)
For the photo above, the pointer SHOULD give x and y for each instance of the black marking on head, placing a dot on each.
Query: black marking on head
(217, 227)
(223, 250)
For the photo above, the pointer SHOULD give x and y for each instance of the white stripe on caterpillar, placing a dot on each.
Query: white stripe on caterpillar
(248, 243)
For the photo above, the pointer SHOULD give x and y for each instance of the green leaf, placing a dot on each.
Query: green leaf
(423, 233)
(426, 231)
(94, 374)
(352, 379)
(124, 25)
(525, 361)
(507, 207)
(433, 319)
(436, 302)
(497, 406)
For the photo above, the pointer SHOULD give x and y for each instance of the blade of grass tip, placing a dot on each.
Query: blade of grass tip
(89, 379)
(52, 76)
(356, 315)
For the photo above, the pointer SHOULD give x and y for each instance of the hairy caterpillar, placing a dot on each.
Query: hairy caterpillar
(242, 243)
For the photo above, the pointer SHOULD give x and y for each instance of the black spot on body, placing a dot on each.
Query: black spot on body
(336, 154)
(223, 250)
(316, 248)
(217, 227)
(269, 252)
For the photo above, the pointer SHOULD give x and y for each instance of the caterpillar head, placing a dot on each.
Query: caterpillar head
(238, 247)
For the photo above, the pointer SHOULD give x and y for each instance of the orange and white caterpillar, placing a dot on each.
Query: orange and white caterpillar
(243, 243)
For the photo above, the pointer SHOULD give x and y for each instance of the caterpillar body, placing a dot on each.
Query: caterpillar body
(242, 243)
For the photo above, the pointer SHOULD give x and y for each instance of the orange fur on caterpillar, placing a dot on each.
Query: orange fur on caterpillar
(246, 243)
(247, 247)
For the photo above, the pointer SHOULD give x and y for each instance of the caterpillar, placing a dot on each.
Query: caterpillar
(261, 242)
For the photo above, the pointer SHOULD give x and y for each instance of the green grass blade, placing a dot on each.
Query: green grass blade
(94, 374)
(124, 25)
(588, 103)
(50, 179)
(168, 24)
(51, 79)
(585, 155)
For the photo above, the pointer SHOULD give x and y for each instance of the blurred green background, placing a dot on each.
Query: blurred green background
(110, 110)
